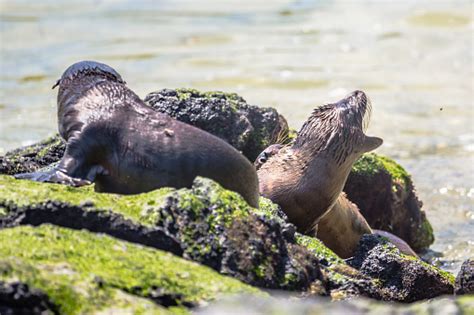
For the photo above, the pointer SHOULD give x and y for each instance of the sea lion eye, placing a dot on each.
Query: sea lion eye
(263, 157)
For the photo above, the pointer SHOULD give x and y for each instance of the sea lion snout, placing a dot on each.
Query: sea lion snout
(87, 67)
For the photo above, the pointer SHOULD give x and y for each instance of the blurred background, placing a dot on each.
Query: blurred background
(413, 58)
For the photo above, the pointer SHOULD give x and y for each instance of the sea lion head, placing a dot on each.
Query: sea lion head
(338, 130)
(266, 154)
(88, 68)
(78, 80)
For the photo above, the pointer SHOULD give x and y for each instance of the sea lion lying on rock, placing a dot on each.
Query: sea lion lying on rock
(115, 140)
(306, 178)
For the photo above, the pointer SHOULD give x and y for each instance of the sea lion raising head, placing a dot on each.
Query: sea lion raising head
(115, 140)
(306, 178)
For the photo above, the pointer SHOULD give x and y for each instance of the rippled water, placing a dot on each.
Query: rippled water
(413, 58)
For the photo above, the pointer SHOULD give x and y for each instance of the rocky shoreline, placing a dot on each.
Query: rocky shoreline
(71, 250)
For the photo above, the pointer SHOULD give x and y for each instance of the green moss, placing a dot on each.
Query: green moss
(319, 249)
(371, 164)
(424, 235)
(51, 142)
(390, 248)
(234, 99)
(46, 145)
(396, 170)
(268, 209)
(23, 192)
(83, 272)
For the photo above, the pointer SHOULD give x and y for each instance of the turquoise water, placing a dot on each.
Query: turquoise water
(413, 58)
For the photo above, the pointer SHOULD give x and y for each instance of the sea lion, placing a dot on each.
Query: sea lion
(342, 227)
(306, 178)
(122, 145)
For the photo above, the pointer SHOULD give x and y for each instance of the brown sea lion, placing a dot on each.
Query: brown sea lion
(342, 227)
(306, 178)
(115, 140)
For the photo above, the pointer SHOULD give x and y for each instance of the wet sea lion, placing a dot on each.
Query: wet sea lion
(115, 140)
(307, 177)
(342, 227)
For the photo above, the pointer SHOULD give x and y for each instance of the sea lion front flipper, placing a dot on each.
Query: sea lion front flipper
(67, 171)
(53, 176)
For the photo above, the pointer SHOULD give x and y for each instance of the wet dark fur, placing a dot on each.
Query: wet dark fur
(121, 144)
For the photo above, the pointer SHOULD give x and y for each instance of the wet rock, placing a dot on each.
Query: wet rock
(17, 298)
(33, 157)
(88, 218)
(217, 229)
(250, 129)
(405, 278)
(83, 273)
(206, 223)
(385, 195)
(465, 279)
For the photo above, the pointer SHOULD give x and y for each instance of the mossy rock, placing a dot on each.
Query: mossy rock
(205, 223)
(33, 157)
(85, 273)
(250, 129)
(406, 278)
(385, 195)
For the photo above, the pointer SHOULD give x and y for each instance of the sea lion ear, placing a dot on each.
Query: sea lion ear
(56, 84)
(371, 143)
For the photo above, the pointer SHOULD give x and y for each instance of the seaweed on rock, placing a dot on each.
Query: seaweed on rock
(82, 272)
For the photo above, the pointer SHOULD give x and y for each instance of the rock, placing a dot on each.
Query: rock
(17, 298)
(406, 278)
(87, 273)
(465, 279)
(206, 223)
(250, 129)
(33, 157)
(385, 195)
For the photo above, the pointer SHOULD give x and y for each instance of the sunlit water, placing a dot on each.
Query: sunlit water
(414, 59)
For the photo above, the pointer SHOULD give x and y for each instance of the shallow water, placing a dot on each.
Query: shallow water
(413, 58)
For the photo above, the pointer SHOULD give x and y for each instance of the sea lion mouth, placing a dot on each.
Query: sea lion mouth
(339, 128)
(355, 108)
(87, 67)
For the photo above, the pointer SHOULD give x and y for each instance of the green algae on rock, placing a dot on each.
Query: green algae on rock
(406, 278)
(83, 272)
(205, 223)
(250, 129)
(377, 182)
(33, 157)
